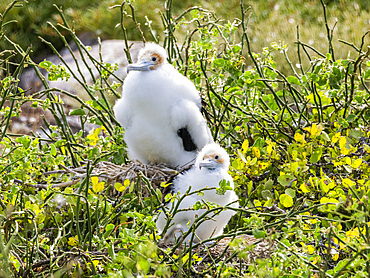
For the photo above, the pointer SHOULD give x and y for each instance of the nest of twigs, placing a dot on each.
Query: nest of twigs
(155, 174)
(112, 173)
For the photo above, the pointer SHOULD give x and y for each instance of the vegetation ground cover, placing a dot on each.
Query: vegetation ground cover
(299, 143)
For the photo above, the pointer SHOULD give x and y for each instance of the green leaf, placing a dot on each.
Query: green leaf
(325, 136)
(293, 80)
(316, 155)
(286, 200)
(24, 140)
(59, 143)
(46, 104)
(250, 187)
(348, 168)
(232, 90)
(219, 62)
(290, 192)
(143, 265)
(266, 194)
(95, 120)
(236, 48)
(159, 193)
(53, 150)
(223, 187)
(285, 180)
(259, 143)
(132, 186)
(258, 233)
(336, 71)
(348, 182)
(367, 74)
(324, 186)
(109, 227)
(45, 64)
(351, 118)
(253, 161)
(245, 145)
(357, 163)
(356, 133)
(269, 184)
(111, 252)
(78, 111)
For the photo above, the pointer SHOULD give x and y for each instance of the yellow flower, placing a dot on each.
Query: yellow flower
(313, 221)
(353, 233)
(72, 241)
(245, 145)
(33, 207)
(348, 182)
(357, 163)
(314, 131)
(119, 187)
(299, 138)
(348, 160)
(334, 254)
(335, 138)
(343, 146)
(97, 186)
(270, 147)
(337, 163)
(256, 152)
(310, 249)
(257, 203)
(95, 262)
(93, 136)
(341, 245)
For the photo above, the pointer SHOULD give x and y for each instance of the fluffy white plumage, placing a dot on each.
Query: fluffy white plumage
(159, 105)
(211, 167)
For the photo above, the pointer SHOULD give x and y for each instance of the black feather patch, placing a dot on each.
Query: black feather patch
(187, 141)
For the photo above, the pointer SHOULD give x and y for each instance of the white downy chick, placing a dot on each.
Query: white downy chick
(211, 167)
(160, 111)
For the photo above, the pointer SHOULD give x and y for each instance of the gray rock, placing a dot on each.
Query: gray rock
(112, 51)
(81, 70)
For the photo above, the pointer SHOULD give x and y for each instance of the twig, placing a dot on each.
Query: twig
(45, 186)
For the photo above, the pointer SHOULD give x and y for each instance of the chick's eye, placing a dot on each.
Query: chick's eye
(154, 59)
(217, 157)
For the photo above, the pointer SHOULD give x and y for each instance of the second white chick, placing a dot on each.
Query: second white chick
(211, 167)
(160, 111)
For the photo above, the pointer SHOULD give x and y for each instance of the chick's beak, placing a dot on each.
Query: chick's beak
(208, 163)
(141, 66)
